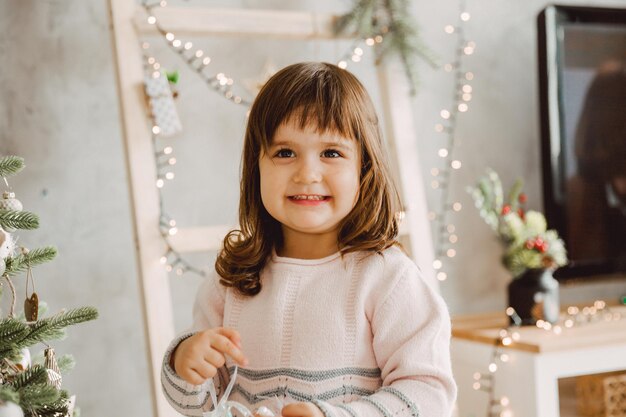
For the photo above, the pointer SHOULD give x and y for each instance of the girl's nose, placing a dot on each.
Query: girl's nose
(308, 172)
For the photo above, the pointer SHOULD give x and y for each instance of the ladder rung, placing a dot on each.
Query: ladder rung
(195, 21)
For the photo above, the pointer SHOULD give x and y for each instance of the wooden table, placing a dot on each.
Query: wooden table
(536, 361)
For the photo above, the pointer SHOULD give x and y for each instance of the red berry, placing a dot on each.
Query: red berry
(521, 213)
(506, 209)
(522, 198)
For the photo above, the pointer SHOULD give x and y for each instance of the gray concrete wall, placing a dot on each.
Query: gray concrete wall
(59, 110)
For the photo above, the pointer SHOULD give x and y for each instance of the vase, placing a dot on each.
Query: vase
(535, 296)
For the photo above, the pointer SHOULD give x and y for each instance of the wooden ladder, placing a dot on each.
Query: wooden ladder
(129, 24)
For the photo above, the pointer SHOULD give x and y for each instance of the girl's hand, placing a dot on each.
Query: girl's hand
(198, 357)
(301, 410)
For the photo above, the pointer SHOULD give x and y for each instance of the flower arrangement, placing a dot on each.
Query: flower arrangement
(527, 242)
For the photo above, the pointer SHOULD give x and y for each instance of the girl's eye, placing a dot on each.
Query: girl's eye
(284, 153)
(331, 153)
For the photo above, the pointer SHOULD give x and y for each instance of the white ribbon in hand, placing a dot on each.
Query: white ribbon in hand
(223, 407)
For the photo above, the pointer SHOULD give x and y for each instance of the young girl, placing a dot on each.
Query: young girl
(312, 299)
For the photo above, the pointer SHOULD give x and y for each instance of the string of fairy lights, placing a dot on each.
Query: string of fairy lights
(499, 405)
(445, 231)
(198, 61)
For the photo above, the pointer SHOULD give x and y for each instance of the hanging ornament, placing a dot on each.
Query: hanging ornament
(54, 373)
(9, 202)
(31, 304)
(9, 409)
(25, 359)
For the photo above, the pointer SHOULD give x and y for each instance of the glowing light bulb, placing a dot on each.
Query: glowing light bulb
(176, 43)
(453, 238)
(169, 175)
(444, 114)
(168, 150)
(358, 51)
(443, 152)
(493, 367)
(370, 42)
(457, 206)
(206, 61)
(449, 29)
(342, 64)
(437, 264)
(156, 130)
(442, 276)
(151, 20)
(169, 36)
(456, 164)
(188, 45)
(173, 231)
(463, 107)
(451, 253)
(465, 16)
(160, 183)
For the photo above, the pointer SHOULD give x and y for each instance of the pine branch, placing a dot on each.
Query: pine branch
(24, 220)
(11, 330)
(38, 395)
(36, 374)
(7, 393)
(10, 165)
(52, 328)
(18, 264)
(59, 407)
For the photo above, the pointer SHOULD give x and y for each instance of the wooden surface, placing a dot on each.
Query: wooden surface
(484, 328)
(154, 290)
(198, 21)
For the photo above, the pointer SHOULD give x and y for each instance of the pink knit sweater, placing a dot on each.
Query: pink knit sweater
(360, 336)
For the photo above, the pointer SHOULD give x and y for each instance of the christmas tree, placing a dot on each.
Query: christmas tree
(29, 388)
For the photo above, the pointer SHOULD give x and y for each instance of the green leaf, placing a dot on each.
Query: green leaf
(173, 76)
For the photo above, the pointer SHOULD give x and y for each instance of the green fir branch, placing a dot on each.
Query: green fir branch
(52, 327)
(36, 396)
(10, 165)
(20, 263)
(24, 220)
(11, 330)
(56, 408)
(8, 394)
(393, 19)
(36, 374)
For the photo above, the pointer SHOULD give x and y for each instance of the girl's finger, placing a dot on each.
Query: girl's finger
(230, 333)
(193, 377)
(227, 347)
(215, 358)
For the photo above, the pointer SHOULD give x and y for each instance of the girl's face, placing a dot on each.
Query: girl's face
(309, 181)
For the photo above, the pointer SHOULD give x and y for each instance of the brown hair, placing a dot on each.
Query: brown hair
(332, 99)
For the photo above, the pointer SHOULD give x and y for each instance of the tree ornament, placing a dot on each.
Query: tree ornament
(52, 367)
(31, 304)
(25, 360)
(9, 409)
(9, 202)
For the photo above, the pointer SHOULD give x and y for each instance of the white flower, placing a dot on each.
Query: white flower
(535, 222)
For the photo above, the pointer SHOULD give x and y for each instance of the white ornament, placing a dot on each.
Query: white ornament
(7, 245)
(162, 107)
(9, 202)
(10, 409)
(25, 360)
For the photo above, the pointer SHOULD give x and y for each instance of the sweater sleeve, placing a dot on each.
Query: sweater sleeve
(411, 340)
(208, 312)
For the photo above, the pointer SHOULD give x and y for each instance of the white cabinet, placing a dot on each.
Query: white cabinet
(535, 362)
